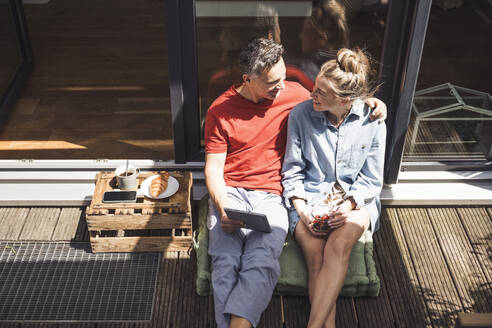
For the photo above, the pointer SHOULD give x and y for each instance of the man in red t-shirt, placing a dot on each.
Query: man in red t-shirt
(245, 137)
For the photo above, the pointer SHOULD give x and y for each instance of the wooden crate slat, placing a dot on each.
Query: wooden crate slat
(98, 191)
(140, 244)
(124, 211)
(152, 205)
(188, 179)
(134, 222)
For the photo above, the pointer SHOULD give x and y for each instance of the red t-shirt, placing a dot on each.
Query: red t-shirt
(253, 135)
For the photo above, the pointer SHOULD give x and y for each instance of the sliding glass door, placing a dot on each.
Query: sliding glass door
(451, 114)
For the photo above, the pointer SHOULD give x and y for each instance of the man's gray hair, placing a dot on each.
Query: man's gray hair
(259, 56)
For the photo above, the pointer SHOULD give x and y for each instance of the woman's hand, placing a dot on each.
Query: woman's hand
(379, 110)
(309, 222)
(230, 226)
(304, 213)
(341, 214)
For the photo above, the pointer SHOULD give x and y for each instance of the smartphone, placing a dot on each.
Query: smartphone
(120, 196)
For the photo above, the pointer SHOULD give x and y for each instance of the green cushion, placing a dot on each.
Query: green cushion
(361, 279)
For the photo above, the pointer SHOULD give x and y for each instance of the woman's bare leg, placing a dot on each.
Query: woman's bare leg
(334, 268)
(238, 322)
(312, 247)
(330, 321)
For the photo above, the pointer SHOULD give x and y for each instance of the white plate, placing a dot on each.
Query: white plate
(172, 187)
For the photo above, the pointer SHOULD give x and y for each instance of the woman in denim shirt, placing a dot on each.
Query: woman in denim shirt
(335, 151)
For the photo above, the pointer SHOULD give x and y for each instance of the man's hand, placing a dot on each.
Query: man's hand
(230, 226)
(379, 110)
(341, 214)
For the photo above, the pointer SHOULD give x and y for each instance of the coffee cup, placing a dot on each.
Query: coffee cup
(126, 176)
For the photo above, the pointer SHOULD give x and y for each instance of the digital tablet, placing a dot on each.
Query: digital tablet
(253, 221)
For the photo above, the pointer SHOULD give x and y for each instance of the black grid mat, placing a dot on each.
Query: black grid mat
(66, 282)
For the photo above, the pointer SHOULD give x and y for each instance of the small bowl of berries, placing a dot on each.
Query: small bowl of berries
(320, 215)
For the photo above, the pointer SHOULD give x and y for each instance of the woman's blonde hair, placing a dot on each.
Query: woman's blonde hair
(350, 74)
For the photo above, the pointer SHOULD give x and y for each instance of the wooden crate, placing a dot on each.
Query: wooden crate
(145, 226)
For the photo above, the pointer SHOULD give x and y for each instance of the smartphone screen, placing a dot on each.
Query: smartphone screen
(119, 196)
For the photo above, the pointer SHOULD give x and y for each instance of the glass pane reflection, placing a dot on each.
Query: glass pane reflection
(10, 58)
(452, 111)
(311, 32)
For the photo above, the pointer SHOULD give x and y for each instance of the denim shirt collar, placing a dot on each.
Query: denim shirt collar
(357, 109)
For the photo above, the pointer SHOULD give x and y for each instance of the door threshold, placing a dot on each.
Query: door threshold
(76, 187)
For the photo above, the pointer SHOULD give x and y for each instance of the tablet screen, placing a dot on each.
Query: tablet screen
(253, 221)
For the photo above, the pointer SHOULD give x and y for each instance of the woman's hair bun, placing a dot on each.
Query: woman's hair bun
(351, 74)
(352, 61)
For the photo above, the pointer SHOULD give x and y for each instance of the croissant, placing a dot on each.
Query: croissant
(159, 184)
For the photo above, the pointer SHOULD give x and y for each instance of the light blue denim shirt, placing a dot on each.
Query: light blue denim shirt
(318, 154)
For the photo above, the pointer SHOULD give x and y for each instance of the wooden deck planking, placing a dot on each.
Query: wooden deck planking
(176, 302)
(374, 311)
(478, 228)
(272, 316)
(66, 228)
(414, 253)
(296, 310)
(159, 296)
(468, 276)
(40, 223)
(436, 284)
(12, 220)
(171, 288)
(346, 316)
(187, 297)
(198, 309)
(82, 232)
(397, 273)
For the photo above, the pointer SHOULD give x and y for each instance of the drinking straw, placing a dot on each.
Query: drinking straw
(126, 169)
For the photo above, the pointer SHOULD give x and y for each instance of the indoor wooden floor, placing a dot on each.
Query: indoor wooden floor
(433, 264)
(100, 85)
